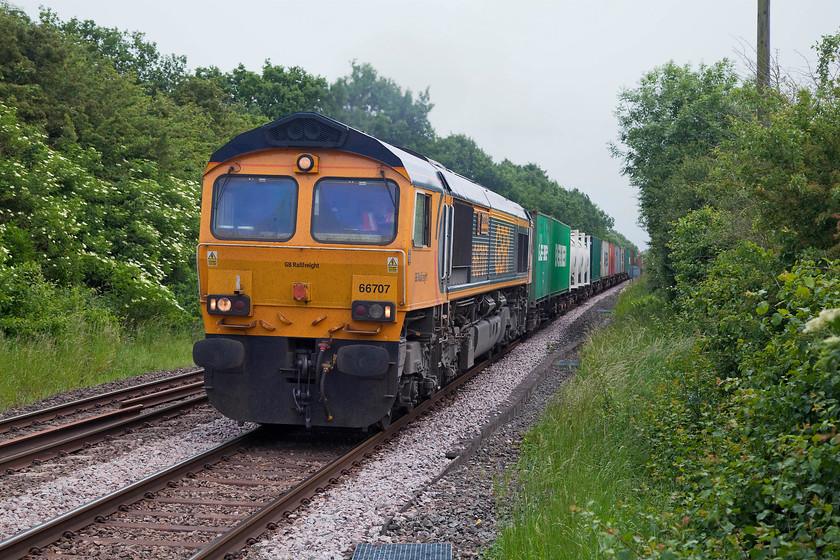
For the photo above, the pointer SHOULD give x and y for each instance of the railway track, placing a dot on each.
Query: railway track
(119, 397)
(132, 407)
(216, 503)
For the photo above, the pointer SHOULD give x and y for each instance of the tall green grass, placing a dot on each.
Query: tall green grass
(37, 366)
(586, 452)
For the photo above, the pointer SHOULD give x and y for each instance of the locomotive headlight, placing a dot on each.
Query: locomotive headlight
(306, 163)
(376, 311)
(239, 304)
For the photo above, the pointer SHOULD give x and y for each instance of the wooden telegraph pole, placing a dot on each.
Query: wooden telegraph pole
(763, 47)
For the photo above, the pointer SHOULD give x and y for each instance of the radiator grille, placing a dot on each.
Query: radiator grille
(304, 132)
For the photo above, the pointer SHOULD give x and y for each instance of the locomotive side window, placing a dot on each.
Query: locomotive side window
(254, 207)
(522, 252)
(355, 211)
(422, 220)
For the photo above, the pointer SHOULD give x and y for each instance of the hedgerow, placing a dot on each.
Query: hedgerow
(63, 230)
(743, 438)
(751, 461)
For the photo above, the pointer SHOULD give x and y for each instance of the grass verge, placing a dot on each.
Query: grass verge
(587, 452)
(41, 365)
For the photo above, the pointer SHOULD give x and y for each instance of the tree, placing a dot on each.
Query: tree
(277, 92)
(128, 51)
(789, 163)
(379, 107)
(670, 126)
(129, 240)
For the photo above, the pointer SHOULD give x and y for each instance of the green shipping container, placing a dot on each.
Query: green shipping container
(594, 259)
(540, 273)
(550, 264)
(559, 256)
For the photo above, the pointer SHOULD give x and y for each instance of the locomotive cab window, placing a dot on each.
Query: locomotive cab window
(422, 220)
(355, 211)
(254, 207)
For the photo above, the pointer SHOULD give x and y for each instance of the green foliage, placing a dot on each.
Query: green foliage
(790, 164)
(62, 226)
(749, 463)
(743, 438)
(461, 153)
(694, 139)
(827, 68)
(94, 88)
(275, 93)
(722, 303)
(378, 106)
(670, 125)
(31, 305)
(588, 449)
(128, 51)
(754, 466)
(103, 141)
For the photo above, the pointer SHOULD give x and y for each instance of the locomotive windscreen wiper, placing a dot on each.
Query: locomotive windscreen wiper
(387, 188)
(222, 188)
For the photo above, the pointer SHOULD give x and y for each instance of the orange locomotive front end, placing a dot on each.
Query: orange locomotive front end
(323, 272)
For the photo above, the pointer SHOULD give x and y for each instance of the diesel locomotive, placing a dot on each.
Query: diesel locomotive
(343, 279)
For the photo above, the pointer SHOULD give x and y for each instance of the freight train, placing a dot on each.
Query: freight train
(343, 280)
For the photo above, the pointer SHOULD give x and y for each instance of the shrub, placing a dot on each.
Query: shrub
(752, 463)
(30, 304)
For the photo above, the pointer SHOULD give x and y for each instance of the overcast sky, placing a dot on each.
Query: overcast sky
(529, 80)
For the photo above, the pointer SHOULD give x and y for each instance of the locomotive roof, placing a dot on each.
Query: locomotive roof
(311, 130)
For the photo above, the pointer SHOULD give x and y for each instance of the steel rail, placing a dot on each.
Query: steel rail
(31, 448)
(167, 395)
(31, 541)
(30, 418)
(245, 533)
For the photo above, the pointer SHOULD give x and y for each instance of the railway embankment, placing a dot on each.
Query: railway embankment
(703, 427)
